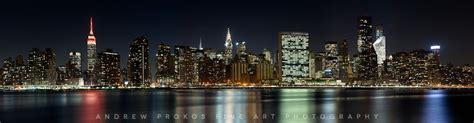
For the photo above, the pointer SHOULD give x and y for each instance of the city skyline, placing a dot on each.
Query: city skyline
(65, 33)
(234, 50)
(232, 61)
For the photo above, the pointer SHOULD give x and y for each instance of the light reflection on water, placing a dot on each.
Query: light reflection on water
(434, 107)
(238, 105)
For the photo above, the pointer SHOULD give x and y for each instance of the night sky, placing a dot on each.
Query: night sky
(63, 24)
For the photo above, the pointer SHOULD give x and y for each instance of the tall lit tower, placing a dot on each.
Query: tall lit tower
(379, 45)
(228, 47)
(367, 57)
(436, 49)
(91, 49)
(364, 34)
(138, 64)
(293, 57)
(200, 44)
(75, 59)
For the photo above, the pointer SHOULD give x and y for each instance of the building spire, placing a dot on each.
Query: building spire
(91, 28)
(228, 47)
(228, 37)
(378, 31)
(200, 43)
(91, 37)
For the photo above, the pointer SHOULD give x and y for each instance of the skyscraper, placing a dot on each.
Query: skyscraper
(344, 50)
(379, 45)
(20, 70)
(185, 65)
(109, 68)
(200, 44)
(293, 62)
(264, 71)
(42, 66)
(241, 48)
(312, 65)
(436, 49)
(367, 58)
(434, 64)
(75, 59)
(239, 71)
(91, 52)
(7, 70)
(35, 71)
(212, 69)
(165, 61)
(268, 55)
(228, 47)
(138, 67)
(73, 72)
(344, 60)
(50, 65)
(330, 60)
(364, 34)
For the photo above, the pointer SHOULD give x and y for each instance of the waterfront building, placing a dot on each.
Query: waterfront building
(73, 69)
(124, 76)
(330, 60)
(35, 71)
(448, 74)
(165, 65)
(109, 68)
(367, 57)
(62, 74)
(72, 74)
(264, 71)
(436, 51)
(240, 71)
(19, 74)
(212, 71)
(75, 59)
(138, 64)
(312, 65)
(379, 45)
(42, 66)
(398, 68)
(466, 74)
(293, 57)
(410, 68)
(434, 65)
(344, 60)
(185, 66)
(418, 67)
(50, 66)
(91, 54)
(7, 69)
(196, 56)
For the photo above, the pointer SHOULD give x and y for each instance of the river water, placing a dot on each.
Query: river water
(332, 105)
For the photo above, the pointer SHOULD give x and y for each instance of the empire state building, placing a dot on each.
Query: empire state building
(91, 50)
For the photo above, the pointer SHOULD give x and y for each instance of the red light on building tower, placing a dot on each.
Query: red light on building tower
(91, 37)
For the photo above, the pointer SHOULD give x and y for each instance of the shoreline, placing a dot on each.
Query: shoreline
(240, 87)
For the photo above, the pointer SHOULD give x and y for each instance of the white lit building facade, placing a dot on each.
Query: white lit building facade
(293, 60)
(379, 46)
